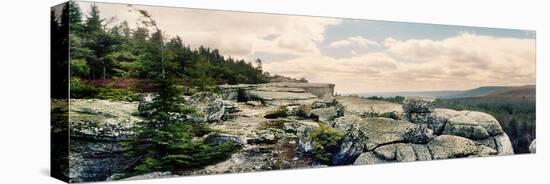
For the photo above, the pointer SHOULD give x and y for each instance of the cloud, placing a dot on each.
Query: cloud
(236, 34)
(354, 41)
(459, 62)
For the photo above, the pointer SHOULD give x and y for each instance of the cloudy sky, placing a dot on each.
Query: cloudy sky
(356, 55)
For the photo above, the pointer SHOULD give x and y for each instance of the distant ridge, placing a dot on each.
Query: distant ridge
(527, 91)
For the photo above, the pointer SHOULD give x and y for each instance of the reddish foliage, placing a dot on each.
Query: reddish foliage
(138, 85)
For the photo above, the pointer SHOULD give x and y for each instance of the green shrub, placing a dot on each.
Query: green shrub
(281, 112)
(325, 142)
(118, 95)
(78, 89)
(85, 91)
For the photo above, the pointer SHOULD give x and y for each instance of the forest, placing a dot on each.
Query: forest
(110, 60)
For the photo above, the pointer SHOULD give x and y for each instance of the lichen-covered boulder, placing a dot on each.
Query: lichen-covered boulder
(418, 104)
(369, 158)
(350, 146)
(345, 122)
(450, 146)
(221, 138)
(381, 131)
(419, 134)
(212, 105)
(486, 121)
(435, 120)
(465, 127)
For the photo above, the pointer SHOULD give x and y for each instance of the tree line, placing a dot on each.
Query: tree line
(102, 49)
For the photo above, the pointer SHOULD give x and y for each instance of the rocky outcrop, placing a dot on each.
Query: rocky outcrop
(423, 133)
(278, 94)
(369, 108)
(97, 129)
(210, 104)
(272, 124)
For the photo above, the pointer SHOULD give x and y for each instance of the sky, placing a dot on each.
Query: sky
(358, 56)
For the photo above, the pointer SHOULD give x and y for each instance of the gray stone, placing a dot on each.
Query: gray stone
(421, 151)
(368, 158)
(350, 147)
(450, 146)
(221, 138)
(418, 134)
(465, 127)
(381, 131)
(399, 152)
(369, 108)
(486, 121)
(418, 104)
(344, 123)
(212, 105)
(503, 144)
(324, 114)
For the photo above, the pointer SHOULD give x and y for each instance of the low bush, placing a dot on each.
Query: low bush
(79, 89)
(281, 112)
(325, 142)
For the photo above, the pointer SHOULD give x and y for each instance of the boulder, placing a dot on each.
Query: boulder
(349, 147)
(418, 104)
(400, 152)
(212, 105)
(435, 120)
(220, 138)
(324, 114)
(465, 127)
(486, 121)
(345, 122)
(267, 136)
(533, 147)
(369, 158)
(418, 134)
(450, 146)
(503, 144)
(382, 131)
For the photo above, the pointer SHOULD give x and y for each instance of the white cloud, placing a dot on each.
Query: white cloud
(459, 62)
(354, 41)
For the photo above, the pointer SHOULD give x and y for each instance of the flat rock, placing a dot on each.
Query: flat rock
(365, 107)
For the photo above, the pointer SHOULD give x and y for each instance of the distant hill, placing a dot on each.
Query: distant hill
(490, 91)
(528, 92)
